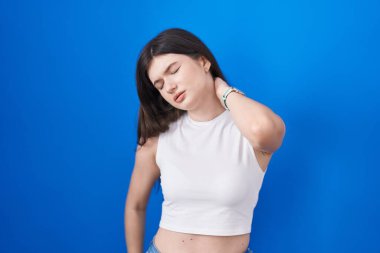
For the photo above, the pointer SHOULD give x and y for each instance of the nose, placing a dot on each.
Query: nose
(171, 87)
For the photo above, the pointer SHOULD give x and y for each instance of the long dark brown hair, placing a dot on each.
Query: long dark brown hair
(155, 113)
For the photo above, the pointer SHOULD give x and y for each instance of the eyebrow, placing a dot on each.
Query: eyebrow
(166, 71)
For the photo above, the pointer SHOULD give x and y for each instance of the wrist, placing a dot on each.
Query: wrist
(226, 93)
(221, 91)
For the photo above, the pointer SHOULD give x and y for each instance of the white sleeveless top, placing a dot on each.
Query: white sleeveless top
(210, 177)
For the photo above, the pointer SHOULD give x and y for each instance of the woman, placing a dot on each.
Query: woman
(208, 145)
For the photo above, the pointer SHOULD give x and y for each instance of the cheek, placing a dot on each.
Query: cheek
(166, 98)
(189, 72)
(191, 78)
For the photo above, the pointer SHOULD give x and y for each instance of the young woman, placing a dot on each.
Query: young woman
(206, 142)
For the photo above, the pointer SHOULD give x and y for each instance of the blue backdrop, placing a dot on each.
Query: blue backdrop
(69, 117)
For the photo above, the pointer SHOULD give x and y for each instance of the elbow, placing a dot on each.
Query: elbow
(270, 135)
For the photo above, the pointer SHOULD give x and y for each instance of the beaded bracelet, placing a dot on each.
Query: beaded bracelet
(227, 92)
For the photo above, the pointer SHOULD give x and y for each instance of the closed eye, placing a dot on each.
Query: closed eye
(176, 70)
(162, 86)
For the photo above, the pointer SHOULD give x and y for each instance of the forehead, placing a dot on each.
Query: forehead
(159, 64)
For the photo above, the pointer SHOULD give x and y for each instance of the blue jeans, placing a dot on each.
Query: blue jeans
(153, 249)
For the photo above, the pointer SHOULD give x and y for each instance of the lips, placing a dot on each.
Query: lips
(177, 95)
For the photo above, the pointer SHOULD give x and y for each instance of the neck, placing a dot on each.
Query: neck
(209, 109)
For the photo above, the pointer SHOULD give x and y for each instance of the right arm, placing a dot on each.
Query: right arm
(145, 173)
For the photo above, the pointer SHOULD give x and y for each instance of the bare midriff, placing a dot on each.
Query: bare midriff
(167, 241)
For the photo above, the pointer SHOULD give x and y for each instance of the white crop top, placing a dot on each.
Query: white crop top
(210, 177)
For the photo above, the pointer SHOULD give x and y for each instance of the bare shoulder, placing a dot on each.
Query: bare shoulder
(263, 158)
(144, 174)
(150, 146)
(145, 157)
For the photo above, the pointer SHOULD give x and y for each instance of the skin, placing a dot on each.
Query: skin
(194, 77)
(259, 124)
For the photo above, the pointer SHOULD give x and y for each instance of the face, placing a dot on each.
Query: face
(172, 74)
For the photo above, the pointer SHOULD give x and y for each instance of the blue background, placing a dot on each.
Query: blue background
(69, 105)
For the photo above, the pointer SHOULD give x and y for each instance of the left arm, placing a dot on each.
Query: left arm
(259, 124)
